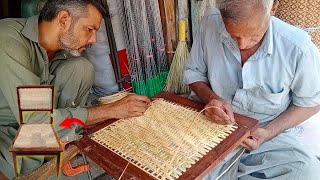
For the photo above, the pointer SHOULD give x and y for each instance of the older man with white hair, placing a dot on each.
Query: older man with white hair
(246, 61)
(46, 49)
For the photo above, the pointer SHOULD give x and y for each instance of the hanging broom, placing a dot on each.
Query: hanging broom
(175, 82)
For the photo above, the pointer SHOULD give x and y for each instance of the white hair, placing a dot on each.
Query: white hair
(239, 9)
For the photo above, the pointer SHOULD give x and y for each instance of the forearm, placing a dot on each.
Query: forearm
(130, 106)
(204, 92)
(290, 118)
(99, 113)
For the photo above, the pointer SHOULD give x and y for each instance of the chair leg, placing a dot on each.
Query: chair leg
(58, 164)
(14, 157)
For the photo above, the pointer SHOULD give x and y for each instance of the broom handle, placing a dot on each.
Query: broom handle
(182, 30)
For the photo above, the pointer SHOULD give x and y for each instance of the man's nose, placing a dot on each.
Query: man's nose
(93, 38)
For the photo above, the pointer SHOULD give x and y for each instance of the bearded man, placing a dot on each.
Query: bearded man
(46, 49)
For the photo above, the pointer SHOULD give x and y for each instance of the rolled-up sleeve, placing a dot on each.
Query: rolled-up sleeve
(196, 68)
(305, 86)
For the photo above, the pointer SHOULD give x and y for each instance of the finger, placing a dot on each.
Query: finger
(138, 109)
(134, 103)
(229, 112)
(251, 143)
(141, 98)
(253, 137)
(219, 112)
(243, 144)
(224, 117)
(135, 114)
(214, 118)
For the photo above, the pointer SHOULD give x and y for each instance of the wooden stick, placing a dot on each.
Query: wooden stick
(168, 20)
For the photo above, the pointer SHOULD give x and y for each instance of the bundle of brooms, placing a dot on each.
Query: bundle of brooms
(175, 82)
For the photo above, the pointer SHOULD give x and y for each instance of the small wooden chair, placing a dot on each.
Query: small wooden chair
(35, 139)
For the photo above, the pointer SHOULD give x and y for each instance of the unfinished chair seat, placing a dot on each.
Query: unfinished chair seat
(36, 136)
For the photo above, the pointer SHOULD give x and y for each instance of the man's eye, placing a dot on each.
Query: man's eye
(89, 29)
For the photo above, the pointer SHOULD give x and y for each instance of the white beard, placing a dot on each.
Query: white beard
(72, 52)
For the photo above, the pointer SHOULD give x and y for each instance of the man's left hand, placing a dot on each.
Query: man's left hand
(256, 139)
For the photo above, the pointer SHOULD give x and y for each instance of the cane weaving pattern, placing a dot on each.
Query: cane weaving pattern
(36, 136)
(150, 141)
(35, 98)
(302, 13)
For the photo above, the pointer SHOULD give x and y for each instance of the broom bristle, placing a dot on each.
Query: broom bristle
(175, 82)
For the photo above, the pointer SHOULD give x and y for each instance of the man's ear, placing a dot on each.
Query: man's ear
(274, 7)
(64, 20)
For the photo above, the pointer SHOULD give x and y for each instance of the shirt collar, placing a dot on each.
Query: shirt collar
(61, 55)
(267, 44)
(226, 37)
(30, 30)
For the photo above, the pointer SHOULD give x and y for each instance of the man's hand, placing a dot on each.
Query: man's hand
(130, 106)
(219, 112)
(256, 139)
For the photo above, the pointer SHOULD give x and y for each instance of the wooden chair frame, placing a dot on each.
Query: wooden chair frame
(35, 151)
(116, 166)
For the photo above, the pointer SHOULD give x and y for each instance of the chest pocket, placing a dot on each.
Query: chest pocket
(263, 102)
(258, 101)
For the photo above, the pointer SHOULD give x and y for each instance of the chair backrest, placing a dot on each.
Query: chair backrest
(35, 98)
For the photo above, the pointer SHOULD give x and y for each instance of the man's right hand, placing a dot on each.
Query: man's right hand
(219, 112)
(130, 106)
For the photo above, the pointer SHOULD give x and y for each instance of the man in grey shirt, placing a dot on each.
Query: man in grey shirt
(46, 49)
(248, 62)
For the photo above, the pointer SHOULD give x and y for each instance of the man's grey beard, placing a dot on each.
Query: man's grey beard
(64, 43)
(75, 53)
(72, 52)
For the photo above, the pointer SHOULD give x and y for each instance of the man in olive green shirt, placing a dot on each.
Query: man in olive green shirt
(46, 49)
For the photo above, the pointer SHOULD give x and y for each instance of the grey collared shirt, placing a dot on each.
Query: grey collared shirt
(24, 62)
(285, 69)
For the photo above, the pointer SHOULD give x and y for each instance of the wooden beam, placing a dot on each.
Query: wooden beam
(168, 20)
